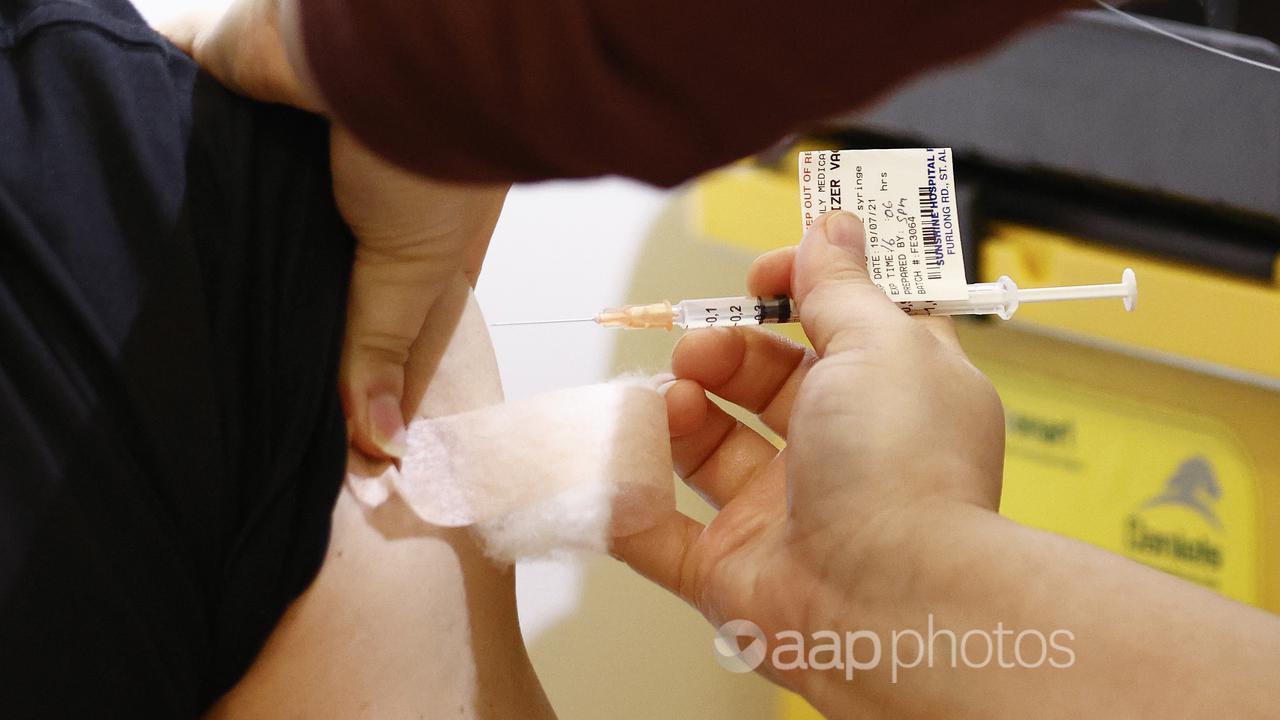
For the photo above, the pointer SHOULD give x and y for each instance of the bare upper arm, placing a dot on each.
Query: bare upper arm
(405, 619)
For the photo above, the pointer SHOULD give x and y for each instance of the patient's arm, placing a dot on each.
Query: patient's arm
(405, 620)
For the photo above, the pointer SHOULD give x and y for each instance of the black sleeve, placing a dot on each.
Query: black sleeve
(172, 290)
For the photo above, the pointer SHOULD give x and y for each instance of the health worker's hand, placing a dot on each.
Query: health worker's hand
(251, 46)
(889, 430)
(414, 235)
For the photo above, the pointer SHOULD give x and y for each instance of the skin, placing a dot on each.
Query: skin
(413, 234)
(882, 510)
(405, 620)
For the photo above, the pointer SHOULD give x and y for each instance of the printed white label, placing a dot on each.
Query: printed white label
(907, 202)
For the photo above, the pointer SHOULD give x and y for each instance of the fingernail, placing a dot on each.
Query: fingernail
(665, 387)
(844, 229)
(819, 223)
(386, 426)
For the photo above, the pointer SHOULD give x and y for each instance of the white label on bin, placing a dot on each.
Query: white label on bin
(907, 202)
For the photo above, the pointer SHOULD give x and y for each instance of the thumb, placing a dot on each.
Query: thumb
(415, 237)
(392, 292)
(839, 304)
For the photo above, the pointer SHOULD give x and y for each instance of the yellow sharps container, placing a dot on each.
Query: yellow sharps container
(1151, 434)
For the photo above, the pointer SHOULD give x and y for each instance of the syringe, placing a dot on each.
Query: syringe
(1001, 297)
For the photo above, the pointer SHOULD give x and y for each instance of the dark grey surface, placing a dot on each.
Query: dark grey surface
(1096, 97)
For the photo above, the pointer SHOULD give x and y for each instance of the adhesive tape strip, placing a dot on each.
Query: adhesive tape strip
(557, 471)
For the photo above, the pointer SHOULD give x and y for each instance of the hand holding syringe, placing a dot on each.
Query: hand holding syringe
(1001, 297)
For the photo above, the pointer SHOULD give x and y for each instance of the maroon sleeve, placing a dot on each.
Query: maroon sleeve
(512, 90)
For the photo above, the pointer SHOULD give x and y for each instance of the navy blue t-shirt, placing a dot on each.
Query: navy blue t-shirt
(173, 278)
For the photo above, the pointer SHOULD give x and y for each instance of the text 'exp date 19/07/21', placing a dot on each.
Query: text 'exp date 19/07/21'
(907, 201)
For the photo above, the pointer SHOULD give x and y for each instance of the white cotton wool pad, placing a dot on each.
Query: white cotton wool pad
(559, 471)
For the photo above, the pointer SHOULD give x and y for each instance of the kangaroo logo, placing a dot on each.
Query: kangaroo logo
(1192, 486)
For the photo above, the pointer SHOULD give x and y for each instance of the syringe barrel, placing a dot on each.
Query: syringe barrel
(733, 311)
(995, 298)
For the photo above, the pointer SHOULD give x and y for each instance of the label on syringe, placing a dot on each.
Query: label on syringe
(907, 202)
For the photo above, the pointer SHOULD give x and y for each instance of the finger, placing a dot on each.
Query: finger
(412, 235)
(736, 461)
(485, 212)
(663, 553)
(840, 307)
(943, 328)
(702, 431)
(687, 406)
(388, 303)
(755, 369)
(718, 456)
(770, 274)
(473, 263)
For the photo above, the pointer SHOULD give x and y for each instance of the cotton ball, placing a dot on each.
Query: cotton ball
(574, 519)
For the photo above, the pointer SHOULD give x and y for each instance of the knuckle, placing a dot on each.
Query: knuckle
(845, 274)
(382, 348)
